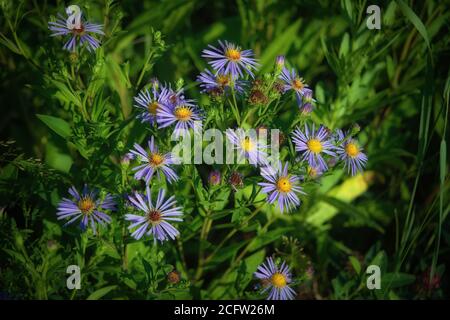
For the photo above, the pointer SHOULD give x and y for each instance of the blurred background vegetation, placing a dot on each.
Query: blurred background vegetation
(393, 82)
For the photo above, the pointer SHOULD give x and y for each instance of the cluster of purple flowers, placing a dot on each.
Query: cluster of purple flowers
(166, 107)
(162, 106)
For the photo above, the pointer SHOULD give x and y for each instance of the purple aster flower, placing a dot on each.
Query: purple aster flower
(220, 83)
(294, 82)
(281, 186)
(153, 162)
(351, 153)
(80, 30)
(276, 279)
(306, 105)
(248, 146)
(312, 144)
(177, 98)
(183, 113)
(149, 103)
(230, 59)
(156, 215)
(85, 206)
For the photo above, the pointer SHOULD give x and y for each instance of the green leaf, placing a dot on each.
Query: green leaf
(9, 44)
(268, 237)
(66, 94)
(227, 252)
(279, 46)
(59, 126)
(443, 161)
(415, 20)
(395, 280)
(101, 292)
(355, 264)
(345, 46)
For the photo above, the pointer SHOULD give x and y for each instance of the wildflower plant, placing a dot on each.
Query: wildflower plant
(199, 167)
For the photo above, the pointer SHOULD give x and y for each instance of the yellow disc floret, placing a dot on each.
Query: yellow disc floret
(155, 159)
(183, 113)
(298, 84)
(233, 54)
(86, 205)
(247, 144)
(314, 145)
(152, 107)
(223, 80)
(278, 280)
(352, 150)
(284, 185)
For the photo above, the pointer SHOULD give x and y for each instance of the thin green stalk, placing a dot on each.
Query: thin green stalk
(231, 234)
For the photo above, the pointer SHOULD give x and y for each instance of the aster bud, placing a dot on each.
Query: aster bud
(332, 162)
(154, 83)
(279, 87)
(306, 107)
(173, 277)
(257, 96)
(126, 158)
(310, 272)
(280, 61)
(73, 57)
(52, 245)
(355, 129)
(214, 178)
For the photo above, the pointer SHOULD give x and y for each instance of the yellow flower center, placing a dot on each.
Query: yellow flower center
(352, 149)
(223, 80)
(247, 144)
(298, 84)
(154, 216)
(86, 205)
(314, 145)
(155, 159)
(233, 54)
(153, 107)
(278, 280)
(284, 185)
(183, 113)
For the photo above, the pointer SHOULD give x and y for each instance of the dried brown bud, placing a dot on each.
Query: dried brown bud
(257, 97)
(236, 180)
(279, 87)
(173, 277)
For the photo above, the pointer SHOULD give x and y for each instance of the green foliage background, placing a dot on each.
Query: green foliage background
(67, 120)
